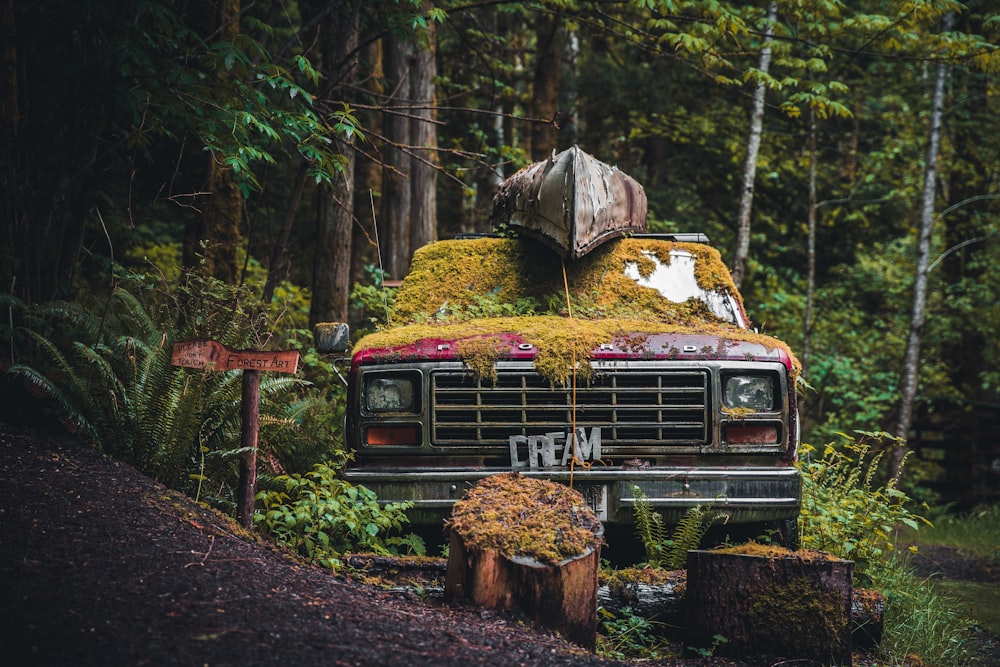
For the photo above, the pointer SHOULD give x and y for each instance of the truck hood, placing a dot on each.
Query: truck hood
(547, 338)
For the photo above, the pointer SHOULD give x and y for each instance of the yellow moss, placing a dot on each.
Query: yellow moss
(522, 516)
(562, 343)
(481, 354)
(472, 290)
(752, 548)
(451, 275)
(737, 413)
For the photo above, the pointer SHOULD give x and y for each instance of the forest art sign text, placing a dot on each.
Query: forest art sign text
(213, 355)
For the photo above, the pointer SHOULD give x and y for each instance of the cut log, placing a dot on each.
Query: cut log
(795, 605)
(572, 202)
(660, 598)
(530, 546)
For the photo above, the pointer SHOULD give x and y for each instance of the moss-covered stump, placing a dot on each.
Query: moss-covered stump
(527, 545)
(781, 603)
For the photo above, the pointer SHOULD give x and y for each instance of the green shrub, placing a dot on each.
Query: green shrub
(844, 511)
(322, 517)
(105, 368)
(627, 635)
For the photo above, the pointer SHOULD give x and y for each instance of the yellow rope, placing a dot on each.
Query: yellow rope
(574, 460)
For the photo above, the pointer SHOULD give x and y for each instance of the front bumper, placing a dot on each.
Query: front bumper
(745, 494)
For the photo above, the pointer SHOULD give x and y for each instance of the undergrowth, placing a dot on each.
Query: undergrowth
(322, 517)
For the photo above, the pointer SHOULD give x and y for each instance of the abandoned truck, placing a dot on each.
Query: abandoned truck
(629, 372)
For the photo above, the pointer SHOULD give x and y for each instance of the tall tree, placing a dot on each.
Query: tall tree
(212, 229)
(408, 216)
(545, 91)
(335, 213)
(754, 132)
(911, 363)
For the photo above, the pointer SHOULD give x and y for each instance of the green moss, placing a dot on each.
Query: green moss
(564, 345)
(450, 278)
(456, 289)
(522, 516)
(800, 617)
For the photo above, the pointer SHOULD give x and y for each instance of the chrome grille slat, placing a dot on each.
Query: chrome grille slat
(633, 407)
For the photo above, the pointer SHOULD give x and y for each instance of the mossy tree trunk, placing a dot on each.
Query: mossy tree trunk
(766, 605)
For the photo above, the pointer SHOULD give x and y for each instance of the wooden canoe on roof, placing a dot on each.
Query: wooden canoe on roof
(572, 201)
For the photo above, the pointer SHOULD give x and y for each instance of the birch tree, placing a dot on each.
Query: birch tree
(753, 147)
(911, 363)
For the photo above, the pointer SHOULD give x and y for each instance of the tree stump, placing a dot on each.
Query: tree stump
(531, 546)
(793, 604)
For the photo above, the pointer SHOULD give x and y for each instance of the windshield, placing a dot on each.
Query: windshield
(676, 281)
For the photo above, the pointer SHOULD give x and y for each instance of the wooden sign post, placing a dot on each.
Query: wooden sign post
(213, 355)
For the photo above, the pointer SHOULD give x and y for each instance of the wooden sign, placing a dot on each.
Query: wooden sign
(205, 353)
(213, 355)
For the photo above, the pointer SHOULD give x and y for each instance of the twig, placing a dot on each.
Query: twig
(207, 554)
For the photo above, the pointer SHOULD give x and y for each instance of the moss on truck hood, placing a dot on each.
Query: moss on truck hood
(481, 294)
(558, 341)
(457, 280)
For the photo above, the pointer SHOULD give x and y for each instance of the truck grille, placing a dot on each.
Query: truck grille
(631, 407)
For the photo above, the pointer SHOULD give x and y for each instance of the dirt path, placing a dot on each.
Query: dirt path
(99, 565)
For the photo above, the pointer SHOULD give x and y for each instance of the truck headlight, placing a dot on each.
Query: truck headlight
(390, 393)
(755, 392)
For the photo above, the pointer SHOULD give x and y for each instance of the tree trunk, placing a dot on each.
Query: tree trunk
(276, 267)
(215, 221)
(663, 602)
(770, 605)
(545, 91)
(811, 245)
(911, 364)
(561, 597)
(331, 279)
(408, 217)
(424, 161)
(753, 147)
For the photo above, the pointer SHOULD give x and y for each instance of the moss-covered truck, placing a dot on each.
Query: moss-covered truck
(630, 373)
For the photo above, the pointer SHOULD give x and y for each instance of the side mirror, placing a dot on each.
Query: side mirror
(332, 337)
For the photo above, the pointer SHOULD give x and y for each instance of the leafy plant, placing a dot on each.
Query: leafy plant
(669, 550)
(322, 517)
(627, 635)
(372, 298)
(844, 510)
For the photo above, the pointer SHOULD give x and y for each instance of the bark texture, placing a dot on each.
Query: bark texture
(765, 605)
(561, 596)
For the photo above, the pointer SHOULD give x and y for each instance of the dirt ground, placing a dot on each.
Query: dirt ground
(100, 565)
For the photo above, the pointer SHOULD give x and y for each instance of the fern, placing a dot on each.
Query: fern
(665, 552)
(650, 528)
(106, 370)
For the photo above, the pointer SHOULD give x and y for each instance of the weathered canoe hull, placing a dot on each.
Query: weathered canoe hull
(572, 201)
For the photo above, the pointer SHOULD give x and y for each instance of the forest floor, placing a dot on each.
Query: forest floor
(100, 565)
